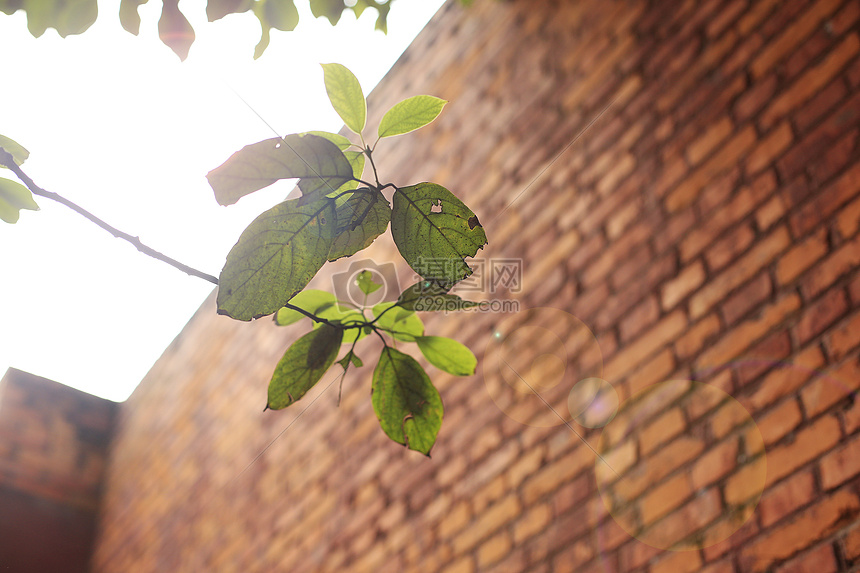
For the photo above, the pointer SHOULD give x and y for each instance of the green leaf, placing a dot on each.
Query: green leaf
(19, 154)
(366, 284)
(410, 114)
(401, 324)
(342, 143)
(350, 358)
(362, 218)
(278, 14)
(311, 300)
(260, 164)
(346, 96)
(275, 258)
(406, 403)
(313, 189)
(13, 198)
(429, 224)
(331, 9)
(448, 355)
(302, 366)
(68, 17)
(129, 16)
(426, 296)
(217, 9)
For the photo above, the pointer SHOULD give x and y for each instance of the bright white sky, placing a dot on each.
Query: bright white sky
(118, 125)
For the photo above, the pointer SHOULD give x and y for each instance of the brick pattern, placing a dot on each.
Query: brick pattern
(53, 453)
(706, 226)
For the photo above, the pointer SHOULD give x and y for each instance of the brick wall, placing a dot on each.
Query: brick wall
(704, 228)
(53, 448)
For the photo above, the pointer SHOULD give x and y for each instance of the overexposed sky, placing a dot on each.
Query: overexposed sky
(117, 124)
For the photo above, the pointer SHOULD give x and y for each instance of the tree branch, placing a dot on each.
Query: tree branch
(7, 160)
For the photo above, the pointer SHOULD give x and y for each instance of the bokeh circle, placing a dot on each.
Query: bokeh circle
(682, 465)
(533, 360)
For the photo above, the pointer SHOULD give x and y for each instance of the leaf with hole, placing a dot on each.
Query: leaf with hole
(448, 355)
(302, 366)
(406, 403)
(260, 164)
(275, 258)
(345, 95)
(362, 218)
(410, 114)
(13, 198)
(435, 232)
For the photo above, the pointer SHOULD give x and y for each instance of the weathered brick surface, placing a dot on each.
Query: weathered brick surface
(705, 226)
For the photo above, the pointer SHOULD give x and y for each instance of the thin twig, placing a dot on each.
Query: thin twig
(7, 160)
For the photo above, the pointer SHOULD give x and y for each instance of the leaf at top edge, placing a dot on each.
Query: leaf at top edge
(18, 152)
(448, 355)
(405, 402)
(345, 95)
(302, 366)
(435, 232)
(217, 9)
(174, 30)
(260, 164)
(410, 114)
(129, 17)
(275, 258)
(13, 198)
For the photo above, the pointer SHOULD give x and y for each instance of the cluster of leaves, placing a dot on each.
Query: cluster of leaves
(13, 195)
(71, 17)
(337, 215)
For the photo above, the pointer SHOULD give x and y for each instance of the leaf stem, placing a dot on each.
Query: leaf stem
(7, 160)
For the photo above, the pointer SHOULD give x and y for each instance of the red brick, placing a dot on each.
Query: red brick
(786, 379)
(815, 142)
(715, 463)
(662, 333)
(811, 82)
(641, 316)
(727, 249)
(721, 161)
(792, 36)
(806, 116)
(816, 318)
(780, 421)
(713, 135)
(687, 281)
(678, 562)
(761, 254)
(755, 98)
(801, 256)
(840, 465)
(757, 12)
(493, 518)
(812, 524)
(848, 219)
(844, 339)
(851, 542)
(770, 213)
(494, 549)
(764, 356)
(833, 159)
(826, 272)
(661, 430)
(806, 53)
(769, 148)
(821, 560)
(692, 342)
(747, 298)
(787, 497)
(807, 445)
(825, 390)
